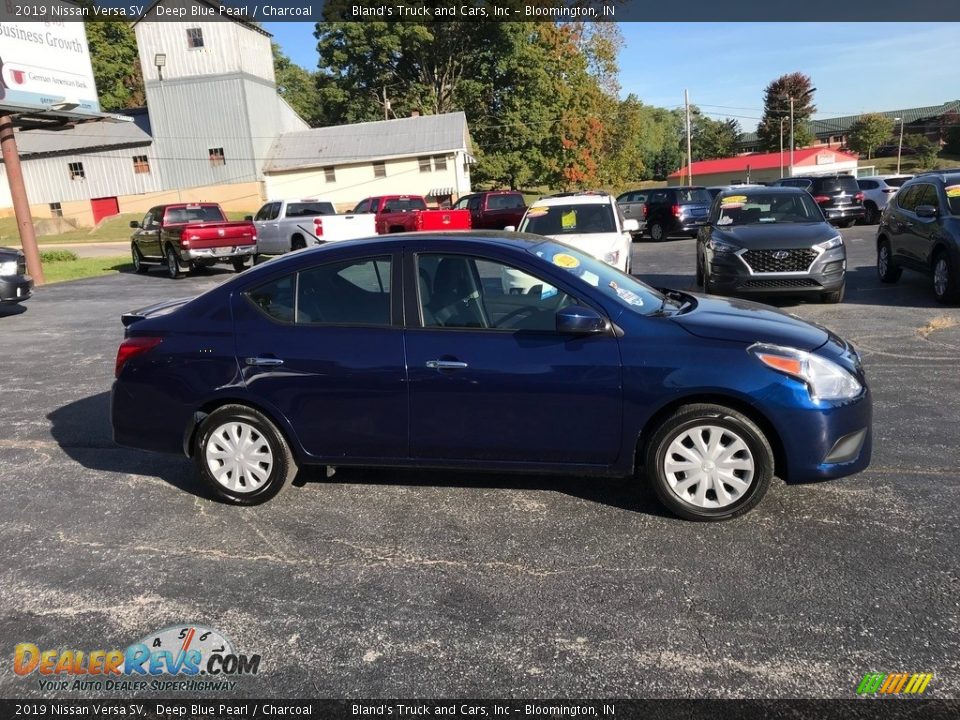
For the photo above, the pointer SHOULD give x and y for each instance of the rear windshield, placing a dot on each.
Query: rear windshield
(693, 196)
(846, 183)
(953, 198)
(896, 182)
(198, 213)
(751, 208)
(310, 209)
(505, 202)
(404, 205)
(569, 219)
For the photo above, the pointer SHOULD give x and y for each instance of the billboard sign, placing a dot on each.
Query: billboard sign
(45, 66)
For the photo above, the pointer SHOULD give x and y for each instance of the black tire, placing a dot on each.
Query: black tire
(699, 270)
(239, 264)
(297, 243)
(871, 214)
(835, 296)
(282, 468)
(173, 264)
(886, 269)
(946, 284)
(656, 231)
(846, 223)
(138, 266)
(731, 425)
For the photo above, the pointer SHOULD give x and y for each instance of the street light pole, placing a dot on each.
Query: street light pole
(781, 146)
(791, 136)
(900, 146)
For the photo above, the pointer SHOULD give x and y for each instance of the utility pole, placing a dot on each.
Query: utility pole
(781, 146)
(686, 103)
(18, 193)
(900, 146)
(791, 136)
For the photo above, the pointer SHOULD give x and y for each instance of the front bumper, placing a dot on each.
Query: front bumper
(730, 273)
(227, 252)
(15, 288)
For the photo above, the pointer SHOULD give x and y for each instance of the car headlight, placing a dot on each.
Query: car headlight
(722, 246)
(825, 379)
(830, 244)
(8, 268)
(612, 257)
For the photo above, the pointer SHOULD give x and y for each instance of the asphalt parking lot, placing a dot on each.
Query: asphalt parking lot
(402, 584)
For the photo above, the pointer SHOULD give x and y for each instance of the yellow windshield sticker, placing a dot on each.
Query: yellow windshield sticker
(953, 191)
(733, 201)
(565, 261)
(568, 221)
(537, 211)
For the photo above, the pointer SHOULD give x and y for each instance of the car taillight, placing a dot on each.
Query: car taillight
(676, 211)
(821, 198)
(131, 347)
(858, 197)
(646, 209)
(318, 227)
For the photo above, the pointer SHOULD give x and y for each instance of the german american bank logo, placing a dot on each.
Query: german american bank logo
(178, 657)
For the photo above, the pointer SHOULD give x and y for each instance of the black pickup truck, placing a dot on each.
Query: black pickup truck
(15, 285)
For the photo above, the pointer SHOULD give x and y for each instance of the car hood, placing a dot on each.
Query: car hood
(590, 242)
(772, 235)
(749, 322)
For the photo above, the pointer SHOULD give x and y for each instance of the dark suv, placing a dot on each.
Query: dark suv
(839, 196)
(673, 210)
(15, 285)
(920, 230)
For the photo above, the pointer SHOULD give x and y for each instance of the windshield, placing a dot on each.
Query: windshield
(404, 205)
(309, 209)
(897, 181)
(843, 183)
(573, 219)
(754, 208)
(193, 213)
(953, 198)
(623, 288)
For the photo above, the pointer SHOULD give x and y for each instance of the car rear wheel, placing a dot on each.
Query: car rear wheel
(239, 264)
(242, 457)
(871, 214)
(173, 265)
(138, 264)
(888, 272)
(835, 296)
(656, 232)
(708, 462)
(297, 243)
(699, 270)
(946, 285)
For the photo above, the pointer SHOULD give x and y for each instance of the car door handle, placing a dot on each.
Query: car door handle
(264, 361)
(446, 365)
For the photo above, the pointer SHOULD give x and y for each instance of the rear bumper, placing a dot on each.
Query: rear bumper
(226, 252)
(853, 212)
(16, 288)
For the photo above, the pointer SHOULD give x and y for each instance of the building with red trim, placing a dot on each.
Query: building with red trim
(764, 167)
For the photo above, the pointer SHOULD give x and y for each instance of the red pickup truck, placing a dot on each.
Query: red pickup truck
(188, 236)
(409, 213)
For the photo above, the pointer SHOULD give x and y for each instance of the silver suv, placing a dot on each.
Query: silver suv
(877, 191)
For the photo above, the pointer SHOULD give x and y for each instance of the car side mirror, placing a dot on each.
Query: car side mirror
(926, 211)
(631, 225)
(134, 224)
(580, 320)
(510, 228)
(248, 218)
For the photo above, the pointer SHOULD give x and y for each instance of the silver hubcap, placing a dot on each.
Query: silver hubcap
(656, 232)
(709, 466)
(239, 457)
(882, 260)
(940, 277)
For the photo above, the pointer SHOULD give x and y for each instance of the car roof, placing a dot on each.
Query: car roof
(948, 177)
(765, 189)
(573, 199)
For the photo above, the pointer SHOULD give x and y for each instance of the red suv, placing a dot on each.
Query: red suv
(494, 209)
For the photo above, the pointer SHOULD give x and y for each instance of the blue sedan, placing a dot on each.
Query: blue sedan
(494, 351)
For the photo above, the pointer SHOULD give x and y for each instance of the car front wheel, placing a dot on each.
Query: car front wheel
(708, 463)
(946, 285)
(241, 456)
(138, 265)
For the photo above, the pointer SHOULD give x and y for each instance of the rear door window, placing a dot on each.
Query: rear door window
(907, 199)
(505, 202)
(930, 196)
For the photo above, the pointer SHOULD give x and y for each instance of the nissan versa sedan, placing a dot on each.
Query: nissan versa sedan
(769, 241)
(410, 351)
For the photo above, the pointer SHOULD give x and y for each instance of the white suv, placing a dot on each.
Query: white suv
(589, 221)
(877, 191)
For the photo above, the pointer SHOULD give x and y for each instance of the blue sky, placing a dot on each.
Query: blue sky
(856, 67)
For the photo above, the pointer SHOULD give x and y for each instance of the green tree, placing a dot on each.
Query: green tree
(776, 105)
(298, 87)
(868, 132)
(710, 139)
(923, 148)
(116, 64)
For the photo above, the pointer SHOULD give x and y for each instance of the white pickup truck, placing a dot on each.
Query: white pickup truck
(285, 225)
